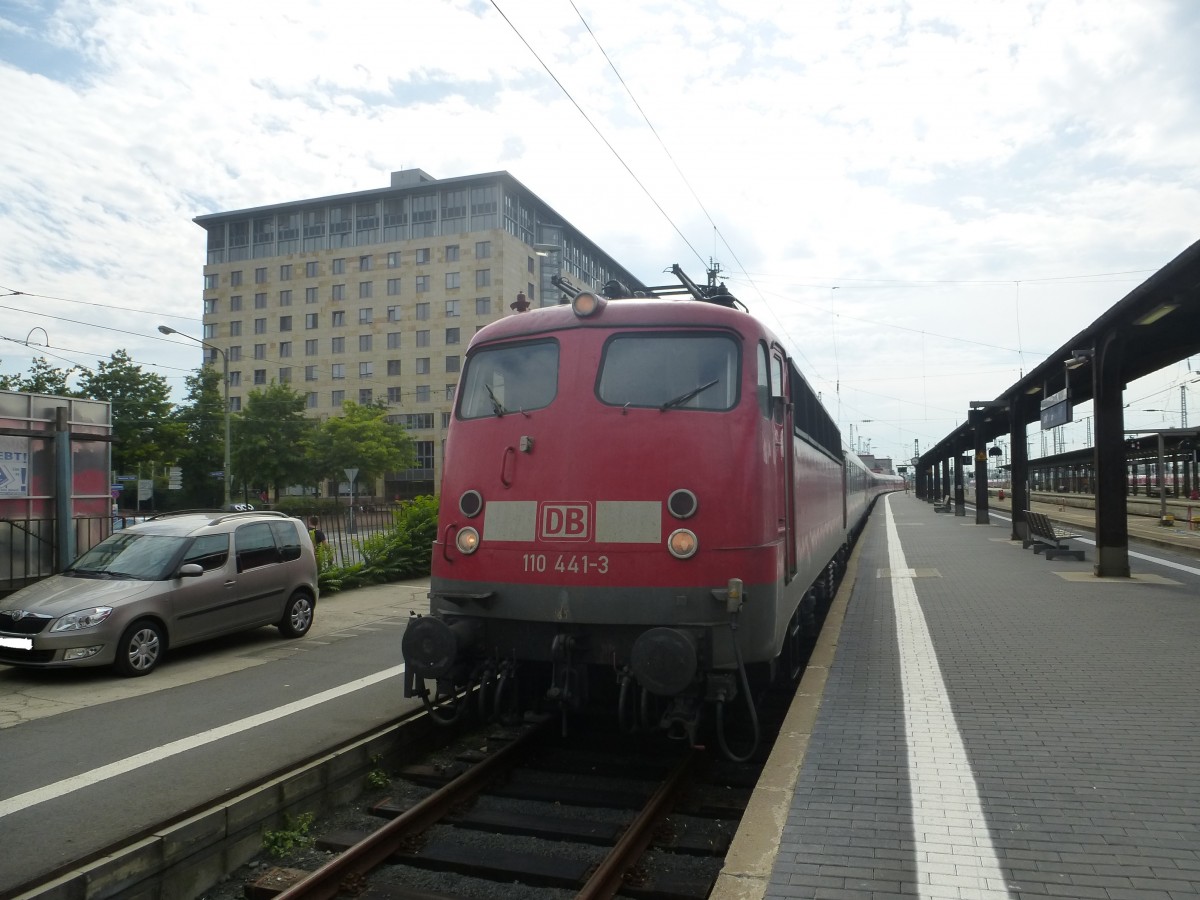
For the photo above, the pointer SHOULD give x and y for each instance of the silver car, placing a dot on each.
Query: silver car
(175, 579)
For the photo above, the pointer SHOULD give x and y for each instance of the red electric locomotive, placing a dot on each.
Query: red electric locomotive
(642, 500)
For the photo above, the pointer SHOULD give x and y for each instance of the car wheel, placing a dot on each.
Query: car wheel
(297, 616)
(140, 648)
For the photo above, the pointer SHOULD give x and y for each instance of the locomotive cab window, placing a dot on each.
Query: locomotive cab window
(511, 378)
(670, 371)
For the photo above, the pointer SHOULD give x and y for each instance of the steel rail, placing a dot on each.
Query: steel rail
(609, 875)
(350, 868)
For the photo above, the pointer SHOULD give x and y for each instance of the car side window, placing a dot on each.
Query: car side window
(209, 551)
(287, 539)
(255, 546)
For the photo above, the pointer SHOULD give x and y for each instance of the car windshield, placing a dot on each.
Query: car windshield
(509, 379)
(139, 557)
(670, 371)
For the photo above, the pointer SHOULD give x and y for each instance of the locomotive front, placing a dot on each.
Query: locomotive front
(607, 501)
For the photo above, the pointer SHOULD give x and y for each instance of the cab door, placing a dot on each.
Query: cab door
(782, 412)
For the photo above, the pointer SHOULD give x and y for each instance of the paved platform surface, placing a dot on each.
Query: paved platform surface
(984, 723)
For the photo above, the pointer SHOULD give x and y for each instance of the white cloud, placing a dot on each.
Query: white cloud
(937, 161)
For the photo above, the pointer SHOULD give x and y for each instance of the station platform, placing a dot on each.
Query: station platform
(980, 722)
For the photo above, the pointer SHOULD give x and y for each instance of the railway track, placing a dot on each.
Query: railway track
(540, 816)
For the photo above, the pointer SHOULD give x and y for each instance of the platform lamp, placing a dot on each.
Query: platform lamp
(228, 477)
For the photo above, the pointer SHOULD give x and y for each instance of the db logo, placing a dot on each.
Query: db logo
(565, 522)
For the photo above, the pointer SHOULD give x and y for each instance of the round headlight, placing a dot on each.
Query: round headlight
(682, 503)
(467, 540)
(587, 304)
(682, 543)
(470, 504)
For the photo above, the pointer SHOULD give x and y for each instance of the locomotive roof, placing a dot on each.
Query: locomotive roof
(623, 313)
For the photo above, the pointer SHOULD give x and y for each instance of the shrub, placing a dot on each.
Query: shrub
(403, 551)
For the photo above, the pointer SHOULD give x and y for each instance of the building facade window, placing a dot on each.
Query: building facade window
(393, 313)
(422, 338)
(483, 278)
(285, 298)
(310, 373)
(451, 335)
(423, 256)
(235, 404)
(422, 365)
(422, 311)
(285, 323)
(452, 363)
(393, 368)
(339, 267)
(337, 318)
(260, 275)
(310, 320)
(364, 343)
(393, 340)
(483, 249)
(422, 393)
(210, 330)
(421, 284)
(260, 301)
(235, 328)
(366, 370)
(393, 395)
(338, 293)
(452, 281)
(310, 347)
(285, 374)
(365, 396)
(452, 253)
(365, 263)
(260, 351)
(393, 287)
(235, 303)
(235, 379)
(337, 371)
(312, 269)
(393, 260)
(285, 272)
(260, 376)
(483, 306)
(452, 308)
(235, 352)
(210, 306)
(235, 278)
(260, 326)
(310, 400)
(337, 398)
(366, 289)
(366, 315)
(210, 282)
(285, 349)
(310, 295)
(337, 345)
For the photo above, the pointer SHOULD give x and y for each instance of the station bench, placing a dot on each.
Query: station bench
(944, 507)
(1044, 535)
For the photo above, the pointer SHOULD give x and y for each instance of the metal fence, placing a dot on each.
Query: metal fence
(348, 527)
(28, 551)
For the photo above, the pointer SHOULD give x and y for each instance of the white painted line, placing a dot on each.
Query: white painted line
(1147, 557)
(137, 761)
(953, 848)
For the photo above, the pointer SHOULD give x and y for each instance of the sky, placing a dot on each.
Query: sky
(924, 199)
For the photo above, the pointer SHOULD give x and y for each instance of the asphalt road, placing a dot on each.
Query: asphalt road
(88, 757)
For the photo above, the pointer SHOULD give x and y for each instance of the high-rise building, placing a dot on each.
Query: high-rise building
(373, 296)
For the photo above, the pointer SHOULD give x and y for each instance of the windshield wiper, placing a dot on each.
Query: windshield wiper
(497, 406)
(684, 398)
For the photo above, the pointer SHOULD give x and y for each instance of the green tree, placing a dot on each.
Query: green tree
(272, 440)
(146, 430)
(43, 378)
(362, 438)
(202, 416)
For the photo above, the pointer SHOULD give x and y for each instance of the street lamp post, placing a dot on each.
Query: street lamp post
(225, 366)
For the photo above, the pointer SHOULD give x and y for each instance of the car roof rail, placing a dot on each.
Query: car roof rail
(208, 510)
(274, 513)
